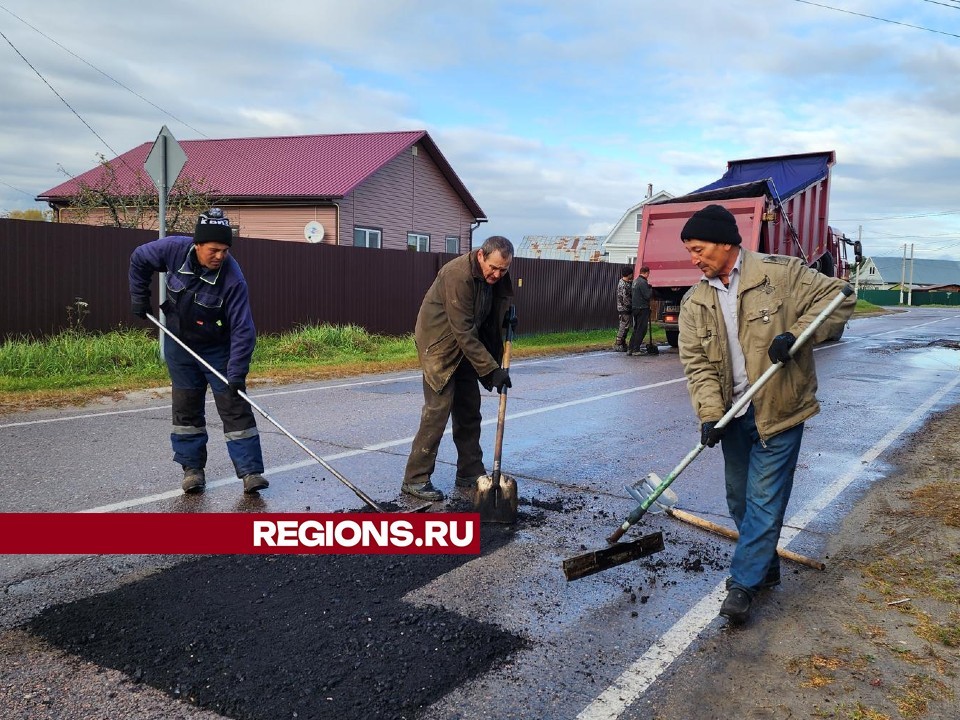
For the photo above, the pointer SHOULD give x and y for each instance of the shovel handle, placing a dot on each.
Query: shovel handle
(502, 412)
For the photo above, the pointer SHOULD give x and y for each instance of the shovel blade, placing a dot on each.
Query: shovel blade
(497, 501)
(593, 562)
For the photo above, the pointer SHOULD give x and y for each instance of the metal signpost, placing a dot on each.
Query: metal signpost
(163, 165)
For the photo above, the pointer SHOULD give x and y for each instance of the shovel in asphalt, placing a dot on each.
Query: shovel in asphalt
(357, 491)
(497, 499)
(645, 504)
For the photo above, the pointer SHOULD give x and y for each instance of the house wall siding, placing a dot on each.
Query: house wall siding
(408, 194)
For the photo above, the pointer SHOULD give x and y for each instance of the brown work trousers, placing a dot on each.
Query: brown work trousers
(460, 398)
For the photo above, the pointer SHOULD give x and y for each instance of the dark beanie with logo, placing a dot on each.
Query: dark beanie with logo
(213, 226)
(712, 224)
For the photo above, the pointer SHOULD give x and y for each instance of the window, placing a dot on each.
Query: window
(639, 221)
(366, 237)
(452, 244)
(418, 242)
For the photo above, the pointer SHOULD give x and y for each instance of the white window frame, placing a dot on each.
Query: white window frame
(455, 239)
(418, 241)
(368, 232)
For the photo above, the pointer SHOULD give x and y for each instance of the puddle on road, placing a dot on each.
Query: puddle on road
(936, 355)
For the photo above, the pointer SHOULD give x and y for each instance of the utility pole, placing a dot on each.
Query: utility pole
(903, 272)
(910, 284)
(856, 280)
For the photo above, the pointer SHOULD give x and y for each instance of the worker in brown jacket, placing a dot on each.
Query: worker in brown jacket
(459, 338)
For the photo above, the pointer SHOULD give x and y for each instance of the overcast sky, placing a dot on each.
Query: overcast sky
(555, 114)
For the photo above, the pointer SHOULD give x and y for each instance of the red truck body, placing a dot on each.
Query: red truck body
(781, 205)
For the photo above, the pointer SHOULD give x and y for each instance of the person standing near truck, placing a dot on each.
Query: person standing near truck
(624, 308)
(640, 295)
(744, 313)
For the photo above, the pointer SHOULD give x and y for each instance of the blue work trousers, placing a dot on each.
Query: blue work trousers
(189, 436)
(759, 479)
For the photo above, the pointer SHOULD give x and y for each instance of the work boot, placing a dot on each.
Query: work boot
(254, 482)
(424, 491)
(619, 348)
(194, 481)
(736, 606)
(467, 483)
(770, 580)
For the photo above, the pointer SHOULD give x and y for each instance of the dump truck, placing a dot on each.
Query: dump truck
(781, 206)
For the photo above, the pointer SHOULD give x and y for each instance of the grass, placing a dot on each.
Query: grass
(76, 365)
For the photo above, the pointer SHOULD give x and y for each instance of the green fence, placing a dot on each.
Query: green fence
(892, 297)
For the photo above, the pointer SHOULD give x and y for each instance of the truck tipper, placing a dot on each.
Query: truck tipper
(781, 206)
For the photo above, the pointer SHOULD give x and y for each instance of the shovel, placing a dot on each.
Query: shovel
(668, 499)
(497, 493)
(357, 491)
(642, 508)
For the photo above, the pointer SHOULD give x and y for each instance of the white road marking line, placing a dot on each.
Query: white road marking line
(637, 678)
(147, 499)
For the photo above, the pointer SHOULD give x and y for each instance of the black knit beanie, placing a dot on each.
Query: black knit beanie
(213, 226)
(712, 224)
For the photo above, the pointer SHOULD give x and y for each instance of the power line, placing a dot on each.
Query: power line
(897, 217)
(54, 91)
(874, 17)
(949, 5)
(106, 75)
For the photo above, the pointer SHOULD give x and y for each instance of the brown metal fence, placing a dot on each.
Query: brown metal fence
(47, 267)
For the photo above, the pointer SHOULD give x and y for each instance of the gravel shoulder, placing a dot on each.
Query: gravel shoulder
(876, 636)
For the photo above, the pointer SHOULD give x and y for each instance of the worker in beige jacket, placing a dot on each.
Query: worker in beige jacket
(746, 312)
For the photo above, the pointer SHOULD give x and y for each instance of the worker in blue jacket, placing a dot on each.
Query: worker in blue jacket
(208, 308)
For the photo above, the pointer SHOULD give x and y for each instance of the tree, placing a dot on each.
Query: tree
(138, 206)
(38, 215)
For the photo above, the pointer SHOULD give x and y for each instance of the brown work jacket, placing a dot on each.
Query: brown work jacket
(447, 331)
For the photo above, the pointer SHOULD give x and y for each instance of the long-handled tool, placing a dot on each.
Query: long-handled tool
(668, 499)
(652, 348)
(497, 499)
(642, 508)
(357, 491)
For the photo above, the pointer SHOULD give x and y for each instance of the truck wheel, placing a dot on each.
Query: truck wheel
(826, 265)
(673, 338)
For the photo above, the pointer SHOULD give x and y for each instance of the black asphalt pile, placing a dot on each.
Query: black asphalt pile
(258, 637)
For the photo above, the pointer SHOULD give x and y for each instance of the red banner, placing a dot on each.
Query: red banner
(239, 533)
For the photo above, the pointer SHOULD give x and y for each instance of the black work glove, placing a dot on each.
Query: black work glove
(510, 321)
(779, 350)
(140, 308)
(237, 387)
(710, 434)
(498, 379)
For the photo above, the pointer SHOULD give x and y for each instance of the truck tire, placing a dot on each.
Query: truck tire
(826, 265)
(673, 338)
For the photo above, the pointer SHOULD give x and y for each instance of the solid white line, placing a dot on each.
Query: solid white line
(147, 499)
(637, 678)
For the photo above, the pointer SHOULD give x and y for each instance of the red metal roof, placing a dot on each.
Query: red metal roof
(300, 166)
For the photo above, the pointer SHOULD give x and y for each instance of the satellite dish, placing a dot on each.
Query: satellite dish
(313, 231)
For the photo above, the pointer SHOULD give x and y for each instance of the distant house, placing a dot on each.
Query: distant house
(585, 248)
(377, 190)
(886, 273)
(623, 239)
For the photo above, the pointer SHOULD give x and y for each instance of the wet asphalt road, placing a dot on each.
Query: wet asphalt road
(578, 429)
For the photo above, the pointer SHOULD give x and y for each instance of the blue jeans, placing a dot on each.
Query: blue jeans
(759, 480)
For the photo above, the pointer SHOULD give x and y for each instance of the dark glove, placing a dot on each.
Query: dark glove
(498, 379)
(710, 434)
(780, 348)
(140, 308)
(237, 387)
(510, 320)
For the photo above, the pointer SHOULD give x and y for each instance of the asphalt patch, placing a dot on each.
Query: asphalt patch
(286, 636)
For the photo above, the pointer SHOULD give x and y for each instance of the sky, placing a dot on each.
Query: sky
(557, 114)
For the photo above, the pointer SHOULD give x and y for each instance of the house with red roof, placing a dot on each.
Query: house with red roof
(379, 190)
